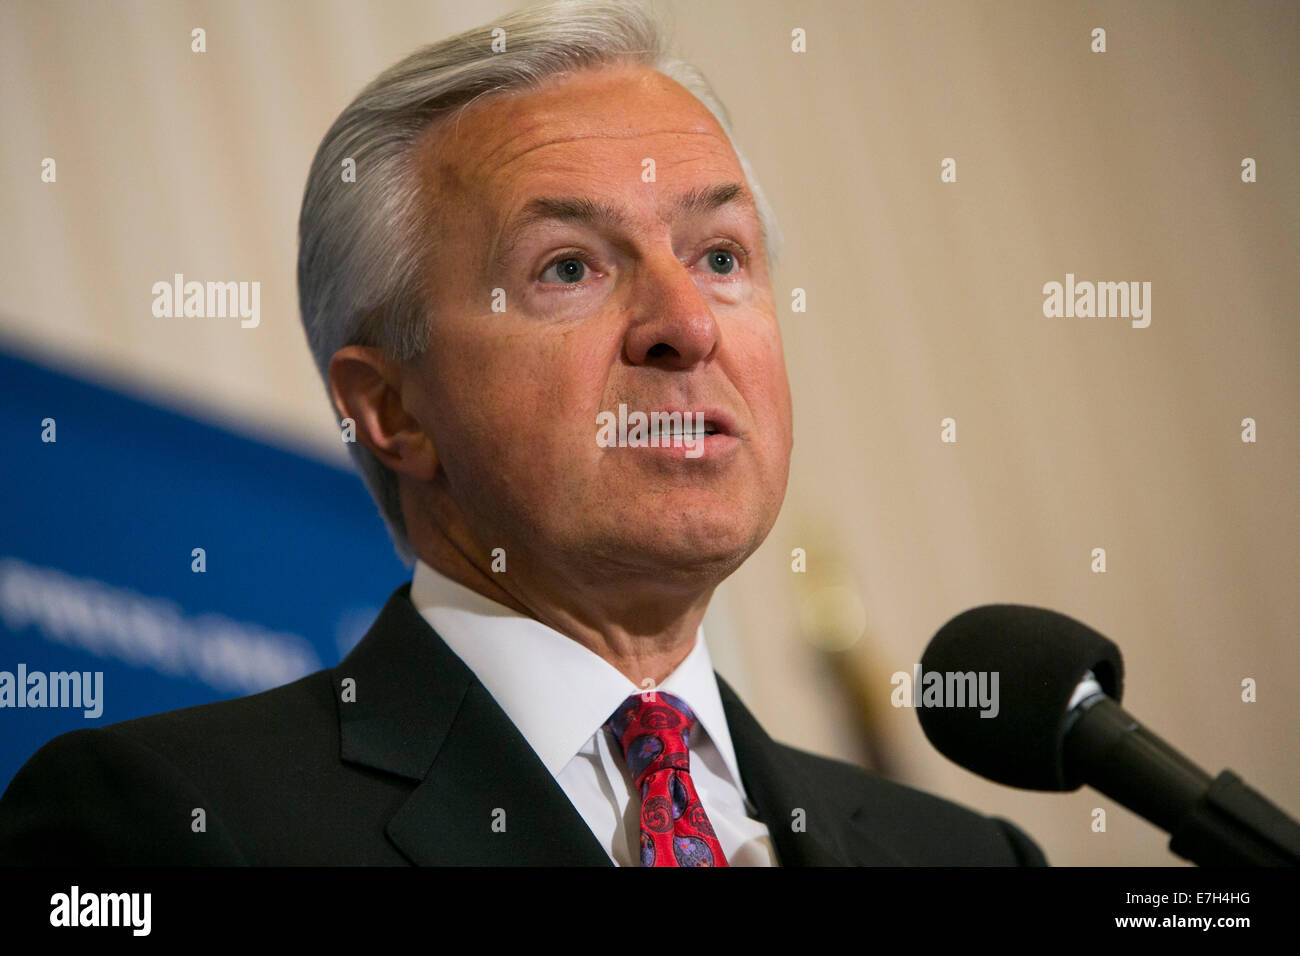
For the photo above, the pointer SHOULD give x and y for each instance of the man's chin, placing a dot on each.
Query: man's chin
(683, 553)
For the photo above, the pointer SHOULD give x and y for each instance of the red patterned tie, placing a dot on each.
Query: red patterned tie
(653, 732)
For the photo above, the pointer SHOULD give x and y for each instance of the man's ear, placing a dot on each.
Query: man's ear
(366, 387)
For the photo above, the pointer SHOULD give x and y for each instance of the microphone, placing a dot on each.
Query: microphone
(1059, 725)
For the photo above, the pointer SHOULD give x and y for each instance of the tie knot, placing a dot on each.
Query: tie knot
(653, 731)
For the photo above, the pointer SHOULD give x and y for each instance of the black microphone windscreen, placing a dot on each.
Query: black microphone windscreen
(1040, 657)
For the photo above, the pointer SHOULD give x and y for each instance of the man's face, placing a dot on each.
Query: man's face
(656, 306)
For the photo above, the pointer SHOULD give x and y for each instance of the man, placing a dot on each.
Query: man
(534, 240)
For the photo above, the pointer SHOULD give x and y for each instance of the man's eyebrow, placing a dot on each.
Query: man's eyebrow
(585, 211)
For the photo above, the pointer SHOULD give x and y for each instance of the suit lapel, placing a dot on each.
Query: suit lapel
(785, 793)
(484, 797)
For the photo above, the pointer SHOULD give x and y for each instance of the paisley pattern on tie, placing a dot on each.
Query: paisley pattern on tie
(653, 733)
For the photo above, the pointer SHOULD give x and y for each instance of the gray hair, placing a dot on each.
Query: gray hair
(361, 244)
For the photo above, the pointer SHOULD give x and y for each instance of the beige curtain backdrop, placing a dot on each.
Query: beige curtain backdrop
(924, 302)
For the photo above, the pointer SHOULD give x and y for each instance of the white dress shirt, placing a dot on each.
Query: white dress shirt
(559, 694)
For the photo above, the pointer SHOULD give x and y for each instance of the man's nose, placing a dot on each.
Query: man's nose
(672, 326)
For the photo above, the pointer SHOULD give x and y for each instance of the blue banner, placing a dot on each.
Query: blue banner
(149, 561)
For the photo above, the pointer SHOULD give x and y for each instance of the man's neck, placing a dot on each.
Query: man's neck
(643, 638)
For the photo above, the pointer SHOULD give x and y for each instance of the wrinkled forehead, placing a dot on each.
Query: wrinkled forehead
(616, 131)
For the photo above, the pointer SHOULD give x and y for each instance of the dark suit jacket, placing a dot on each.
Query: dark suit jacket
(414, 771)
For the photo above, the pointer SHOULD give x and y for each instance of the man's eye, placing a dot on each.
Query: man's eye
(567, 270)
(722, 260)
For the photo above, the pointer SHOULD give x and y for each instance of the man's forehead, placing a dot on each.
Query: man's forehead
(577, 151)
(608, 116)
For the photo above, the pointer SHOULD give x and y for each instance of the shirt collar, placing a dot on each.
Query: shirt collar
(555, 691)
